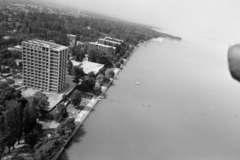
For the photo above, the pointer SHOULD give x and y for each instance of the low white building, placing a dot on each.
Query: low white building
(88, 66)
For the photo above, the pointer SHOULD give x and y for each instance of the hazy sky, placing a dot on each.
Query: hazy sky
(215, 19)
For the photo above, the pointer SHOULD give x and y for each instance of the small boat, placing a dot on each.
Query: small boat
(137, 83)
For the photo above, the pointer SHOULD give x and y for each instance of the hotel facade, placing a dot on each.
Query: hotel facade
(44, 65)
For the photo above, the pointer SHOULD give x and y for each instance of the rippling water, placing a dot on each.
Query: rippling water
(187, 107)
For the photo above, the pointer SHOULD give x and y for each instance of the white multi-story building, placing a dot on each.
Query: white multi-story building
(44, 65)
(105, 48)
(114, 39)
(109, 42)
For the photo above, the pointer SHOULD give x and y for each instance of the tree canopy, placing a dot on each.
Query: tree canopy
(76, 98)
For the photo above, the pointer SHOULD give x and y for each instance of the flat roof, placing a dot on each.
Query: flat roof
(18, 47)
(119, 40)
(88, 66)
(47, 44)
(109, 41)
(76, 63)
(71, 35)
(103, 45)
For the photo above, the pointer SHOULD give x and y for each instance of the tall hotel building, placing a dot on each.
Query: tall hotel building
(44, 65)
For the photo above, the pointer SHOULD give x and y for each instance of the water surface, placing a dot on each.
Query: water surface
(186, 107)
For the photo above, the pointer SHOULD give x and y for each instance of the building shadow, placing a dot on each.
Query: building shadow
(75, 139)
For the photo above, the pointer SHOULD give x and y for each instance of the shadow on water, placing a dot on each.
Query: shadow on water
(112, 84)
(75, 139)
(104, 95)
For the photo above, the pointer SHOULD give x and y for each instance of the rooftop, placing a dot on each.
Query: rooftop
(115, 39)
(51, 45)
(103, 45)
(18, 47)
(71, 35)
(88, 66)
(110, 41)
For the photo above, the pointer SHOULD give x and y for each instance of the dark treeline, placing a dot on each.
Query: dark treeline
(55, 27)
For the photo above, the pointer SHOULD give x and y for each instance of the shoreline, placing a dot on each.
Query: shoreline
(82, 116)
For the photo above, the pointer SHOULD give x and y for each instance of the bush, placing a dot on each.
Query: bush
(97, 89)
(101, 79)
(47, 148)
(66, 127)
(75, 80)
(102, 71)
(6, 70)
(76, 98)
(10, 81)
(91, 75)
(31, 139)
(61, 113)
(121, 60)
(109, 73)
(118, 65)
(87, 84)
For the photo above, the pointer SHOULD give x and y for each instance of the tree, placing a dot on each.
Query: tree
(109, 73)
(76, 98)
(103, 59)
(10, 81)
(30, 116)
(87, 84)
(97, 89)
(31, 138)
(19, 121)
(69, 67)
(6, 92)
(93, 55)
(102, 71)
(2, 125)
(100, 79)
(66, 127)
(46, 148)
(106, 79)
(61, 113)
(78, 52)
(91, 75)
(76, 80)
(41, 100)
(13, 123)
(18, 93)
(117, 65)
(77, 71)
(121, 60)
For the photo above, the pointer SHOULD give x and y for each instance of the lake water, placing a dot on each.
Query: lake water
(187, 107)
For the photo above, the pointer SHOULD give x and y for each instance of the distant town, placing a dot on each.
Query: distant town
(55, 63)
